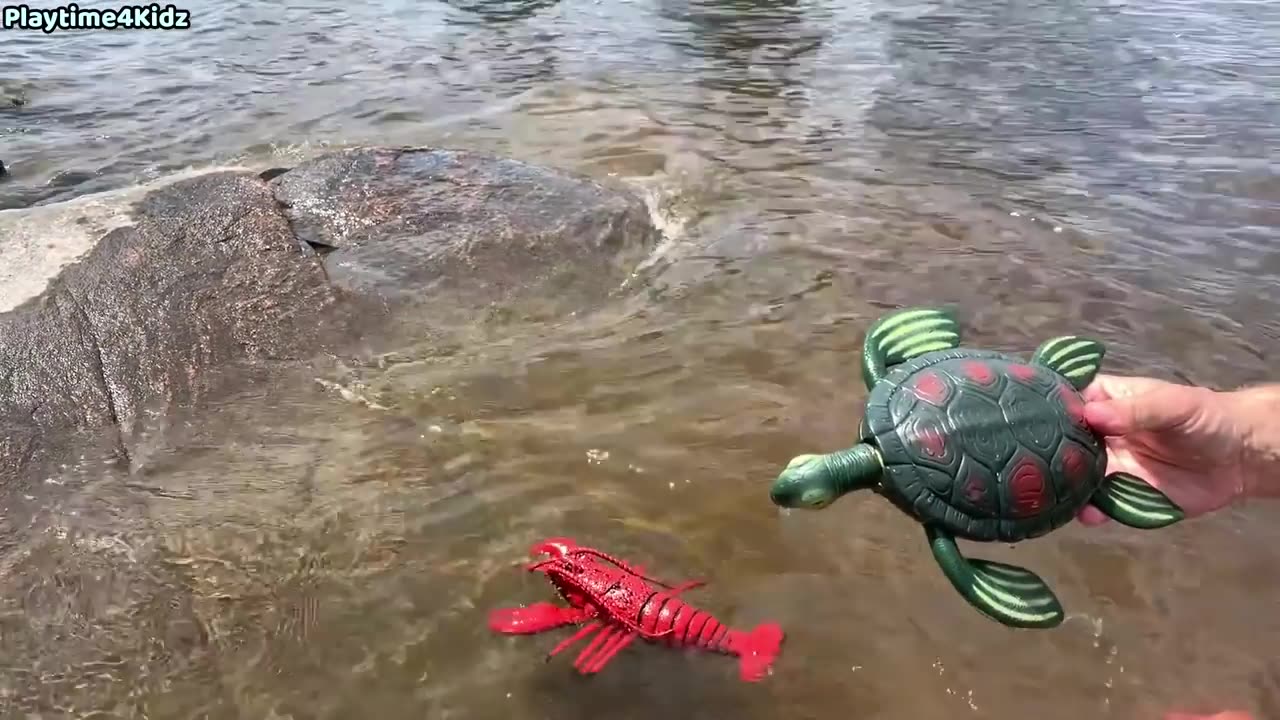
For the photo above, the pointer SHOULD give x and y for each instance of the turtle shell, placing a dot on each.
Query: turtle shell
(989, 446)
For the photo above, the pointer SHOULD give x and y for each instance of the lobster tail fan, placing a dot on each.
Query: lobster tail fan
(759, 649)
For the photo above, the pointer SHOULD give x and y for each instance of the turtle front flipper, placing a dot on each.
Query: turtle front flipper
(1007, 594)
(904, 334)
(1078, 359)
(1132, 501)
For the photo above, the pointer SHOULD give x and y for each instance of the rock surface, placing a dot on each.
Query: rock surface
(237, 269)
(406, 224)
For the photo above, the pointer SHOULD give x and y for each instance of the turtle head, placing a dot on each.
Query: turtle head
(816, 481)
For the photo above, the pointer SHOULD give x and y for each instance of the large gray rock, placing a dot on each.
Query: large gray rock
(208, 274)
(407, 224)
(233, 269)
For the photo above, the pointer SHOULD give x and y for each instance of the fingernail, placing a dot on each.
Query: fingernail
(1101, 414)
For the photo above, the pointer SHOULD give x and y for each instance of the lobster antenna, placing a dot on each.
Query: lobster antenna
(623, 565)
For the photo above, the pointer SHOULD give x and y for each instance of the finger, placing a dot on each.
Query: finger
(1106, 387)
(1119, 459)
(1096, 390)
(1162, 407)
(1090, 516)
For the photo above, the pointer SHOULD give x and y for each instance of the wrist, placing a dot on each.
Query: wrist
(1259, 415)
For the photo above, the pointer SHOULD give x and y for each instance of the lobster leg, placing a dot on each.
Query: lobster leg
(605, 645)
(575, 638)
(596, 642)
(607, 652)
(536, 618)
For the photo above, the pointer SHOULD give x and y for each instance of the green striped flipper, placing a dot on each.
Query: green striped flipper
(904, 334)
(1075, 358)
(1015, 595)
(1006, 593)
(1130, 500)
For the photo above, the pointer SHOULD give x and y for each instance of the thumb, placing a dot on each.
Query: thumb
(1162, 408)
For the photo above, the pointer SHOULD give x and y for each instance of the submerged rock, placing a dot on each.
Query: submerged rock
(237, 269)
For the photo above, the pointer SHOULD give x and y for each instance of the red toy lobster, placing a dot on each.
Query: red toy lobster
(620, 603)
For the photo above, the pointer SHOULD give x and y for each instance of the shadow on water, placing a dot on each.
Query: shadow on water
(481, 12)
(501, 39)
(747, 47)
(1011, 95)
(751, 66)
(24, 116)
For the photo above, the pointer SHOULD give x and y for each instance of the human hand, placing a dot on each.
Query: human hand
(1189, 442)
(1225, 715)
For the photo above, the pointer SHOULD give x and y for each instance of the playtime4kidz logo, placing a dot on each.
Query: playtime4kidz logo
(74, 17)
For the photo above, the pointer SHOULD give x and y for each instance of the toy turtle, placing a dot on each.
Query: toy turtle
(979, 445)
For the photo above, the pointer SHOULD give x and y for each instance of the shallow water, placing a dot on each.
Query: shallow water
(329, 546)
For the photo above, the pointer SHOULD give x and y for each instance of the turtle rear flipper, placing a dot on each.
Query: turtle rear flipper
(904, 334)
(1075, 358)
(1008, 594)
(1132, 501)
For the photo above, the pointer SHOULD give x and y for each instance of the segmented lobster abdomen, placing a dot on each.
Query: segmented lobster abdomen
(681, 624)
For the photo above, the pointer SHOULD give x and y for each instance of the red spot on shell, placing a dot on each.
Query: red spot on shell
(979, 372)
(930, 441)
(1025, 373)
(1074, 465)
(1028, 489)
(975, 487)
(931, 389)
(1073, 404)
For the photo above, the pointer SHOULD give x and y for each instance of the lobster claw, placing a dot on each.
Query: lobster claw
(556, 548)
